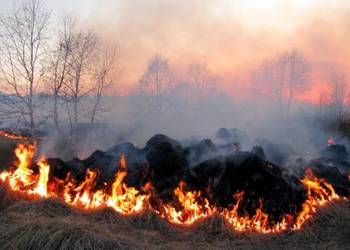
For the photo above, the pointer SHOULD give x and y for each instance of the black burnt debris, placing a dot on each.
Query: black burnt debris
(218, 170)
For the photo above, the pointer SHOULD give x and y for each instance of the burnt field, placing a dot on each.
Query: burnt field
(209, 195)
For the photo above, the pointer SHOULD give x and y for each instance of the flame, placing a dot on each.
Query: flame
(331, 141)
(188, 208)
(22, 176)
(319, 193)
(123, 199)
(83, 193)
(44, 169)
(192, 209)
(259, 222)
(14, 136)
(126, 199)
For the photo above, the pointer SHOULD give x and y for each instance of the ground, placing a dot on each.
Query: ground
(51, 224)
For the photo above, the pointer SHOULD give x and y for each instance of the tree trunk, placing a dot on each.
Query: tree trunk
(55, 111)
(30, 108)
(75, 110)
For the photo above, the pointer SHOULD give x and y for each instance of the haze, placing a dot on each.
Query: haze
(231, 37)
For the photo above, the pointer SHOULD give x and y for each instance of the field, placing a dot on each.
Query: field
(51, 224)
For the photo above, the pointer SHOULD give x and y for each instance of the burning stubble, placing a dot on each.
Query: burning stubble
(187, 208)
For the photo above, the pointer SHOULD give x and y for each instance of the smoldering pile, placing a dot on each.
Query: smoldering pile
(218, 170)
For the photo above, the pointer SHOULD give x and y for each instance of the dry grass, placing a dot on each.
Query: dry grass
(51, 224)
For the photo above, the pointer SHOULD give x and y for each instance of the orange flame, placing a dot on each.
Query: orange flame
(190, 207)
(331, 141)
(23, 175)
(259, 222)
(14, 136)
(44, 169)
(125, 199)
(319, 193)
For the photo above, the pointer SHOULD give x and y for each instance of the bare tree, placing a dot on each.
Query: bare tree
(201, 79)
(323, 104)
(282, 77)
(84, 52)
(61, 62)
(23, 39)
(156, 82)
(297, 75)
(105, 73)
(338, 90)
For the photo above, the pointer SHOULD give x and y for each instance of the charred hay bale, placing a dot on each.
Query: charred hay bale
(135, 161)
(60, 169)
(329, 170)
(199, 152)
(105, 164)
(233, 135)
(223, 134)
(335, 152)
(165, 167)
(276, 153)
(258, 151)
(155, 140)
(127, 149)
(260, 180)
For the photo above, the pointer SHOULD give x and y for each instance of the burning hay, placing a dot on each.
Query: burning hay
(249, 193)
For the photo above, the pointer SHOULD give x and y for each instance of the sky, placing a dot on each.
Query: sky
(231, 36)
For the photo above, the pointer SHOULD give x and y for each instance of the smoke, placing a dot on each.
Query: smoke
(232, 37)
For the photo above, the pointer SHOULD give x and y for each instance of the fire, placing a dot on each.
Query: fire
(14, 136)
(44, 169)
(319, 193)
(84, 192)
(259, 222)
(122, 198)
(188, 207)
(125, 199)
(331, 141)
(191, 207)
(23, 175)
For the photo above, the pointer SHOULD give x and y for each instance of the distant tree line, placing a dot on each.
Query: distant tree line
(65, 61)
(75, 69)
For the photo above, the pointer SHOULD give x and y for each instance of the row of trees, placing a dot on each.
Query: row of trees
(61, 74)
(283, 77)
(334, 100)
(67, 63)
(75, 68)
(280, 79)
(160, 88)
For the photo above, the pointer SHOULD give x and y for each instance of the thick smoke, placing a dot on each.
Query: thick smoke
(231, 38)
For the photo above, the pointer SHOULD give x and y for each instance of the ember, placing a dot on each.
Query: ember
(12, 135)
(185, 208)
(331, 141)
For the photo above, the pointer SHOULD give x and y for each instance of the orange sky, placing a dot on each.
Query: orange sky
(230, 36)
